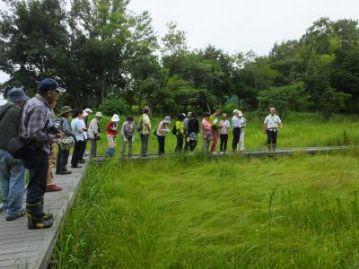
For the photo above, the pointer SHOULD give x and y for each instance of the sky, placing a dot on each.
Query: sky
(241, 25)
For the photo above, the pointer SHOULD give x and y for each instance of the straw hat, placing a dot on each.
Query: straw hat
(115, 118)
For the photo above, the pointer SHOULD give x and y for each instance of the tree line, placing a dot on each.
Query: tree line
(104, 54)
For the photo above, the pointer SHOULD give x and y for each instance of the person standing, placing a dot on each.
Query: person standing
(38, 127)
(94, 134)
(64, 148)
(12, 171)
(207, 132)
(128, 136)
(179, 132)
(193, 131)
(111, 131)
(85, 116)
(145, 130)
(79, 128)
(214, 120)
(186, 132)
(271, 125)
(236, 125)
(225, 125)
(242, 126)
(162, 131)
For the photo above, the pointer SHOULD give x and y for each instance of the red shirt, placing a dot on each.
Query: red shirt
(111, 129)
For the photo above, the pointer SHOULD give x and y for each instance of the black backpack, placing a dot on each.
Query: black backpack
(174, 130)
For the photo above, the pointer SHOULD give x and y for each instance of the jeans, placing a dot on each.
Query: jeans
(161, 145)
(93, 151)
(144, 144)
(62, 158)
(37, 162)
(124, 146)
(206, 143)
(186, 143)
(224, 140)
(192, 145)
(179, 145)
(12, 177)
(110, 151)
(77, 154)
(236, 138)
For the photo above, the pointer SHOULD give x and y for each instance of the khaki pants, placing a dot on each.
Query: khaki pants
(52, 165)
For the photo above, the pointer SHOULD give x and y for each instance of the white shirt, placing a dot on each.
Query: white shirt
(272, 122)
(145, 122)
(77, 126)
(238, 122)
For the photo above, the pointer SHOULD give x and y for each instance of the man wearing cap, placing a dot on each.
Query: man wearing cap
(94, 134)
(64, 149)
(38, 126)
(145, 130)
(12, 171)
(271, 125)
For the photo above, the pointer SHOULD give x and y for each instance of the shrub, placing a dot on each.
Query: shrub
(113, 105)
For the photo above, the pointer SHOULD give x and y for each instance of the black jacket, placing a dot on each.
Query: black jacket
(9, 123)
(193, 126)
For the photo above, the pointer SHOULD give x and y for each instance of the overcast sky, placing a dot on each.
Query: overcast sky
(242, 25)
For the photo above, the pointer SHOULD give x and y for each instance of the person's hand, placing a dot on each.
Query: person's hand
(84, 129)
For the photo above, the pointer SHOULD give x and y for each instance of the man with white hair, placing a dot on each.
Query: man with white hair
(271, 125)
(236, 125)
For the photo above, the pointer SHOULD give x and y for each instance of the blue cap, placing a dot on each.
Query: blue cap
(17, 95)
(49, 84)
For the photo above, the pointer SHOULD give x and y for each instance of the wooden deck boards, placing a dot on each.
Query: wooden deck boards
(23, 248)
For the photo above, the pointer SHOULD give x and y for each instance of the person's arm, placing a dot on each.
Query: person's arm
(280, 123)
(265, 125)
(123, 131)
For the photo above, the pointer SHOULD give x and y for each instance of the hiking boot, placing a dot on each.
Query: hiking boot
(65, 172)
(46, 216)
(35, 217)
(21, 213)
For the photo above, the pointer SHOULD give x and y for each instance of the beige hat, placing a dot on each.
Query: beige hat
(98, 115)
(240, 113)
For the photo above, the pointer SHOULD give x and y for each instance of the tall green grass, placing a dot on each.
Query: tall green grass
(300, 130)
(188, 212)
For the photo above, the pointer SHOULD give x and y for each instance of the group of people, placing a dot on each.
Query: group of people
(38, 140)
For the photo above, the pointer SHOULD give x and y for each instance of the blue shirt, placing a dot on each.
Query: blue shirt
(77, 126)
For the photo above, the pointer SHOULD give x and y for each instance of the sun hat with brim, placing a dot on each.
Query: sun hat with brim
(115, 118)
(240, 113)
(98, 115)
(48, 84)
(235, 111)
(167, 119)
(64, 110)
(17, 95)
(88, 110)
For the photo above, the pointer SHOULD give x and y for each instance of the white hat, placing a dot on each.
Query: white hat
(167, 119)
(85, 114)
(88, 111)
(236, 111)
(240, 113)
(98, 115)
(115, 118)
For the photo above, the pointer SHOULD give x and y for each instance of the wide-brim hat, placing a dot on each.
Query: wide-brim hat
(17, 95)
(98, 115)
(236, 111)
(240, 113)
(64, 110)
(88, 110)
(115, 118)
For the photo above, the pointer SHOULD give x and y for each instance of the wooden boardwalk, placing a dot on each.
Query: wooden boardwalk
(23, 248)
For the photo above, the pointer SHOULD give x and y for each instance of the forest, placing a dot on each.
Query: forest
(106, 55)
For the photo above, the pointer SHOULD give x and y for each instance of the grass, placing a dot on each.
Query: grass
(300, 130)
(185, 212)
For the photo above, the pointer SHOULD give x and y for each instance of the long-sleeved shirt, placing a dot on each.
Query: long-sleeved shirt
(225, 125)
(162, 129)
(37, 122)
(193, 126)
(93, 130)
(206, 128)
(66, 127)
(78, 125)
(128, 130)
(238, 122)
